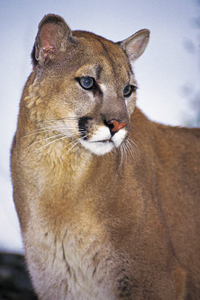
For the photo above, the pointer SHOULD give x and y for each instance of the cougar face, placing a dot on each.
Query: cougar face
(108, 102)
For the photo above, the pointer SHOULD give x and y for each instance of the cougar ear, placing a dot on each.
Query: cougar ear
(135, 45)
(51, 40)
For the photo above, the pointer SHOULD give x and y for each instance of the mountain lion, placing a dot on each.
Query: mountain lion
(108, 201)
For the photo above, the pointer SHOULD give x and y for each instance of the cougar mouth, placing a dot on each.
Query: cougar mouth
(100, 145)
(103, 141)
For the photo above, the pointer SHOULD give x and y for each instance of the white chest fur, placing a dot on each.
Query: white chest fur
(78, 260)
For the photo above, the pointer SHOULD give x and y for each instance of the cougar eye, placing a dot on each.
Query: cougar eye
(87, 82)
(128, 90)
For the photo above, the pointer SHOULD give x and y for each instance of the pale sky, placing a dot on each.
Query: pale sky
(161, 72)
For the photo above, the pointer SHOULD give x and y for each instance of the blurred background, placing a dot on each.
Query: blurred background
(168, 73)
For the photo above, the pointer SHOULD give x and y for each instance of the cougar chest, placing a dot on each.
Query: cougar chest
(79, 256)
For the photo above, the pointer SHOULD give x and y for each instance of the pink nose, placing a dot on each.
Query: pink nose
(116, 125)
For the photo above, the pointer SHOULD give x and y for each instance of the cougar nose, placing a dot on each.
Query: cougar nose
(115, 125)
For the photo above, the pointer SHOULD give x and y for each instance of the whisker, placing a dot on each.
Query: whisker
(53, 125)
(42, 130)
(55, 140)
(74, 144)
(120, 153)
(130, 149)
(50, 129)
(46, 139)
(125, 149)
(121, 157)
(63, 119)
(135, 146)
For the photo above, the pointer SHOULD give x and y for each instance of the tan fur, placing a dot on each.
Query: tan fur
(122, 225)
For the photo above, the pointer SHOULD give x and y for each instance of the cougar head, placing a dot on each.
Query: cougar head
(86, 85)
